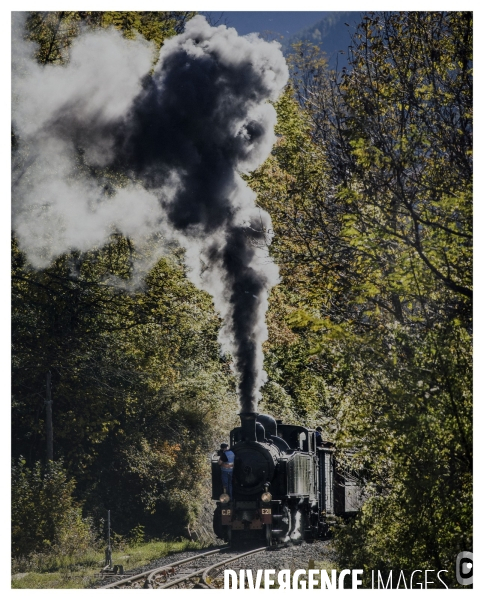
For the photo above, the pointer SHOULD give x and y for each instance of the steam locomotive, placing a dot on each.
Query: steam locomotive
(286, 488)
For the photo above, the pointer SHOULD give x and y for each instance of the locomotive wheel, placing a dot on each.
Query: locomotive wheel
(269, 534)
(218, 528)
(324, 531)
(314, 522)
(286, 523)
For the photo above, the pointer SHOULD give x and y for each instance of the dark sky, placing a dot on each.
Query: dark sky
(285, 23)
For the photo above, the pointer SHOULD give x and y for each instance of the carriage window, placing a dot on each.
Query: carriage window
(303, 444)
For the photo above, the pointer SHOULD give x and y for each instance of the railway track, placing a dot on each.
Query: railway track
(203, 571)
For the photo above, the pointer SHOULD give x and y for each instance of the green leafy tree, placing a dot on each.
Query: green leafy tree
(54, 31)
(137, 380)
(290, 185)
(134, 374)
(370, 191)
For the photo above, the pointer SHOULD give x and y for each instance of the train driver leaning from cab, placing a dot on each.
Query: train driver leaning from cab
(226, 462)
(319, 437)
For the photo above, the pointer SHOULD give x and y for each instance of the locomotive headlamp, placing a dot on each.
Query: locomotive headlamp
(224, 498)
(266, 497)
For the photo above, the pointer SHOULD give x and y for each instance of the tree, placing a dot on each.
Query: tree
(55, 30)
(374, 215)
(392, 127)
(290, 185)
(136, 374)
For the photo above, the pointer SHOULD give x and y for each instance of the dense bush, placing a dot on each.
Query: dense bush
(45, 516)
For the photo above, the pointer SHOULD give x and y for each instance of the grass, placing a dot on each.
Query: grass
(74, 572)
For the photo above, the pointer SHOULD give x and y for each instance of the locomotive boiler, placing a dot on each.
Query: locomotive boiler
(285, 485)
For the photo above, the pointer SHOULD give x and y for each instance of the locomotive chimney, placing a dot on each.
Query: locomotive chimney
(247, 421)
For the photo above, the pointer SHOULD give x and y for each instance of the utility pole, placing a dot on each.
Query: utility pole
(49, 432)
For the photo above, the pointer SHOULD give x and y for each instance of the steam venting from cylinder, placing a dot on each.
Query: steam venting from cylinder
(178, 137)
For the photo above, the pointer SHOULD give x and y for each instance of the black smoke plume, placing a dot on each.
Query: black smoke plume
(181, 134)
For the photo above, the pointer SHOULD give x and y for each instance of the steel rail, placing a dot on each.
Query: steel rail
(192, 559)
(147, 574)
(226, 562)
(205, 570)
